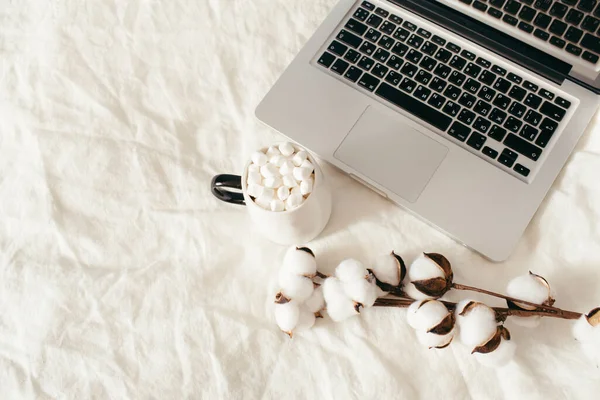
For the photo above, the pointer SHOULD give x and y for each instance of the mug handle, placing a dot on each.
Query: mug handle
(220, 183)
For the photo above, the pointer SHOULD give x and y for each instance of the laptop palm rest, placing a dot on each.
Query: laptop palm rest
(391, 153)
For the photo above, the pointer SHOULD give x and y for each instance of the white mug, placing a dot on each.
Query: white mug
(297, 226)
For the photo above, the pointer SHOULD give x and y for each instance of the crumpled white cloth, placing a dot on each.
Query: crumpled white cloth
(122, 277)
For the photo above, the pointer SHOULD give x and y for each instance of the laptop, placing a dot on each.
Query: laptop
(461, 111)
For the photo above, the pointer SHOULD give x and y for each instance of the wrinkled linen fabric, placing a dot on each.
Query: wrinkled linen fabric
(121, 277)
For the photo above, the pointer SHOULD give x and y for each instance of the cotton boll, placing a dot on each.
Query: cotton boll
(287, 149)
(477, 325)
(289, 181)
(499, 357)
(342, 310)
(283, 193)
(424, 268)
(287, 316)
(299, 262)
(273, 183)
(424, 315)
(299, 158)
(412, 291)
(286, 168)
(316, 302)
(361, 291)
(306, 187)
(306, 320)
(254, 190)
(386, 269)
(273, 151)
(433, 340)
(296, 287)
(259, 158)
(529, 288)
(589, 338)
(277, 205)
(338, 305)
(301, 173)
(350, 270)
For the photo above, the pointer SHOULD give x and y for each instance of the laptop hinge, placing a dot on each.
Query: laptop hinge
(492, 39)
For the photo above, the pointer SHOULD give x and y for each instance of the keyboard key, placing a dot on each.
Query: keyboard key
(396, 19)
(498, 116)
(428, 63)
(517, 109)
(457, 78)
(487, 77)
(382, 12)
(523, 147)
(591, 42)
(545, 93)
(438, 40)
(380, 71)
(368, 48)
(498, 70)
(415, 41)
(590, 24)
(388, 27)
(393, 78)
(409, 69)
(514, 78)
(424, 33)
(513, 124)
(483, 62)
(458, 62)
(502, 85)
(356, 26)
(466, 117)
(423, 77)
(533, 117)
(395, 62)
(467, 100)
(488, 151)
(574, 17)
(472, 85)
(520, 169)
(497, 3)
(400, 49)
(352, 56)
(478, 5)
(401, 34)
(552, 111)
(543, 5)
(494, 12)
(540, 34)
(408, 85)
(326, 60)
(587, 56)
(512, 7)
(349, 38)
(442, 71)
(414, 56)
(453, 47)
(368, 82)
(527, 14)
(562, 102)
(353, 74)
(436, 100)
(542, 21)
(574, 35)
(509, 19)
(452, 92)
(361, 14)
(415, 107)
(505, 160)
(558, 27)
(443, 55)
(586, 5)
(372, 35)
(497, 133)
(386, 42)
(524, 26)
(337, 48)
(487, 94)
(531, 86)
(558, 10)
(547, 128)
(468, 55)
(459, 131)
(502, 101)
(472, 70)
(374, 21)
(410, 26)
(422, 93)
(476, 141)
(366, 63)
(368, 5)
(533, 101)
(517, 93)
(429, 48)
(575, 50)
(437, 84)
(528, 132)
(451, 108)
(482, 125)
(381, 55)
(340, 66)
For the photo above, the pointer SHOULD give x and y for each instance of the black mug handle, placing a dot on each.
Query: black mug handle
(220, 183)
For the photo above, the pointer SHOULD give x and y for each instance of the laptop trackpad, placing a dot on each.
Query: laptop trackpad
(387, 150)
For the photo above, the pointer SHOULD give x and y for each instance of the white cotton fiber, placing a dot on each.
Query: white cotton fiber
(412, 292)
(339, 306)
(361, 291)
(299, 158)
(477, 326)
(350, 270)
(306, 320)
(589, 338)
(287, 149)
(316, 302)
(528, 288)
(526, 322)
(299, 262)
(386, 269)
(296, 287)
(424, 268)
(426, 315)
(287, 315)
(259, 158)
(341, 311)
(433, 340)
(499, 357)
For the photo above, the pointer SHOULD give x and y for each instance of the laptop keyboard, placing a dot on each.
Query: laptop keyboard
(571, 25)
(486, 108)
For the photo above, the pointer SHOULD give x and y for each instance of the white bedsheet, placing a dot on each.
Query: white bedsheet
(122, 277)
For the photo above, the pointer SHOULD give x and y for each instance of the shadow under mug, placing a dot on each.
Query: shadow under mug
(297, 226)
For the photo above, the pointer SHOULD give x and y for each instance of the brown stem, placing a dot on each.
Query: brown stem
(322, 275)
(459, 286)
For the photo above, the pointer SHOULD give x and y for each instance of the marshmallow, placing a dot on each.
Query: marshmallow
(296, 191)
(259, 158)
(287, 167)
(273, 151)
(273, 182)
(283, 193)
(254, 178)
(293, 201)
(254, 190)
(264, 200)
(253, 168)
(306, 187)
(287, 149)
(308, 164)
(278, 160)
(277, 205)
(289, 181)
(299, 158)
(269, 171)
(300, 173)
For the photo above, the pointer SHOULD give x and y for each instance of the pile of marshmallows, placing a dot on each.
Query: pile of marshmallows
(282, 179)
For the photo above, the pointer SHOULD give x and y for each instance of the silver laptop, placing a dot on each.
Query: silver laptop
(463, 112)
